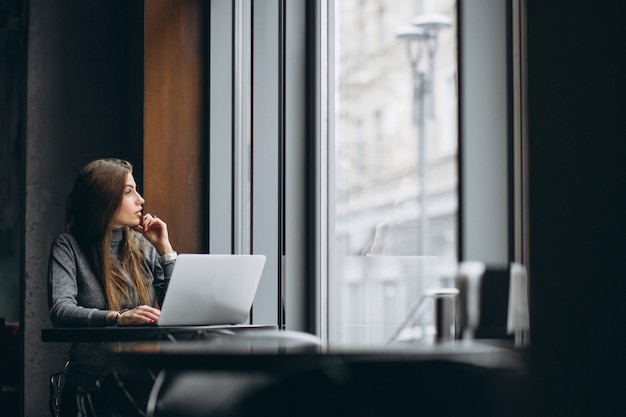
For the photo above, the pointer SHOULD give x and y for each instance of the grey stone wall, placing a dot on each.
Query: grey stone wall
(84, 100)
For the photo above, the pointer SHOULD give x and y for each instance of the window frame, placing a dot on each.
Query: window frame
(291, 95)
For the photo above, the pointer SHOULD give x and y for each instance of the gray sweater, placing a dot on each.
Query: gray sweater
(76, 297)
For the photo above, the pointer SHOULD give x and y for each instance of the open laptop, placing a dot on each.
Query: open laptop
(208, 289)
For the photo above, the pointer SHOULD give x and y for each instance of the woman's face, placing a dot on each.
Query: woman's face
(129, 212)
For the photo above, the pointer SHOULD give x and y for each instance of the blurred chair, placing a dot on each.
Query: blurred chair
(203, 393)
(9, 368)
(518, 315)
(381, 388)
(220, 393)
(494, 300)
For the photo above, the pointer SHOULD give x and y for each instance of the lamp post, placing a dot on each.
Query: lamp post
(432, 24)
(422, 35)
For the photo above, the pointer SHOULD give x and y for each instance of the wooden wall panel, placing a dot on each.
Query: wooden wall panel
(175, 110)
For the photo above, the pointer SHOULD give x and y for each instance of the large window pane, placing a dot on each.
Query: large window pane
(393, 182)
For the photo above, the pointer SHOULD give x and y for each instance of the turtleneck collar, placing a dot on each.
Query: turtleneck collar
(117, 235)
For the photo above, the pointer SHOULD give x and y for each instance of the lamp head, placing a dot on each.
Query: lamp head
(409, 33)
(432, 23)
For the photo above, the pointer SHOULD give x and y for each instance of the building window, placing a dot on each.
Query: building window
(392, 218)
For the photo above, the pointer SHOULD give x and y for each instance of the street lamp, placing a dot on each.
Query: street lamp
(432, 24)
(413, 38)
(422, 34)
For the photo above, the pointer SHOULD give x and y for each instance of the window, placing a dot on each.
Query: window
(352, 187)
(393, 167)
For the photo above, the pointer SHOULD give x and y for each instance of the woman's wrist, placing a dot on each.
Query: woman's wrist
(119, 315)
(165, 249)
(110, 319)
(113, 317)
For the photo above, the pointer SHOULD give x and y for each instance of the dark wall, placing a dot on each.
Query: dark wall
(84, 101)
(12, 123)
(577, 155)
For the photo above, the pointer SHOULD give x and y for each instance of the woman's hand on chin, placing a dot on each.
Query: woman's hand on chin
(155, 230)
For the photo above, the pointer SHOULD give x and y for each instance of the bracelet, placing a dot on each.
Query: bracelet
(168, 257)
(117, 317)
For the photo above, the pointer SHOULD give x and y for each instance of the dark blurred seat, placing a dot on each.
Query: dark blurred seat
(368, 388)
(431, 388)
(218, 393)
(9, 368)
(205, 393)
(494, 301)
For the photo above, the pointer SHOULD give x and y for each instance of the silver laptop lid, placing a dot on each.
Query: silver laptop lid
(208, 289)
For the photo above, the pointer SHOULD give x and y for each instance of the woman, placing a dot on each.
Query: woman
(111, 267)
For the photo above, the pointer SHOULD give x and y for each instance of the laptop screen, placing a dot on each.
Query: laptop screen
(209, 289)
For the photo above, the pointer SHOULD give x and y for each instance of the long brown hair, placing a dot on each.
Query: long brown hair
(91, 206)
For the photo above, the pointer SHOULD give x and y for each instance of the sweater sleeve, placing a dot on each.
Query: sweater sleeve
(161, 272)
(75, 296)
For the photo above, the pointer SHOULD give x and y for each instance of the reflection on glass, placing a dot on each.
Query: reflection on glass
(394, 179)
